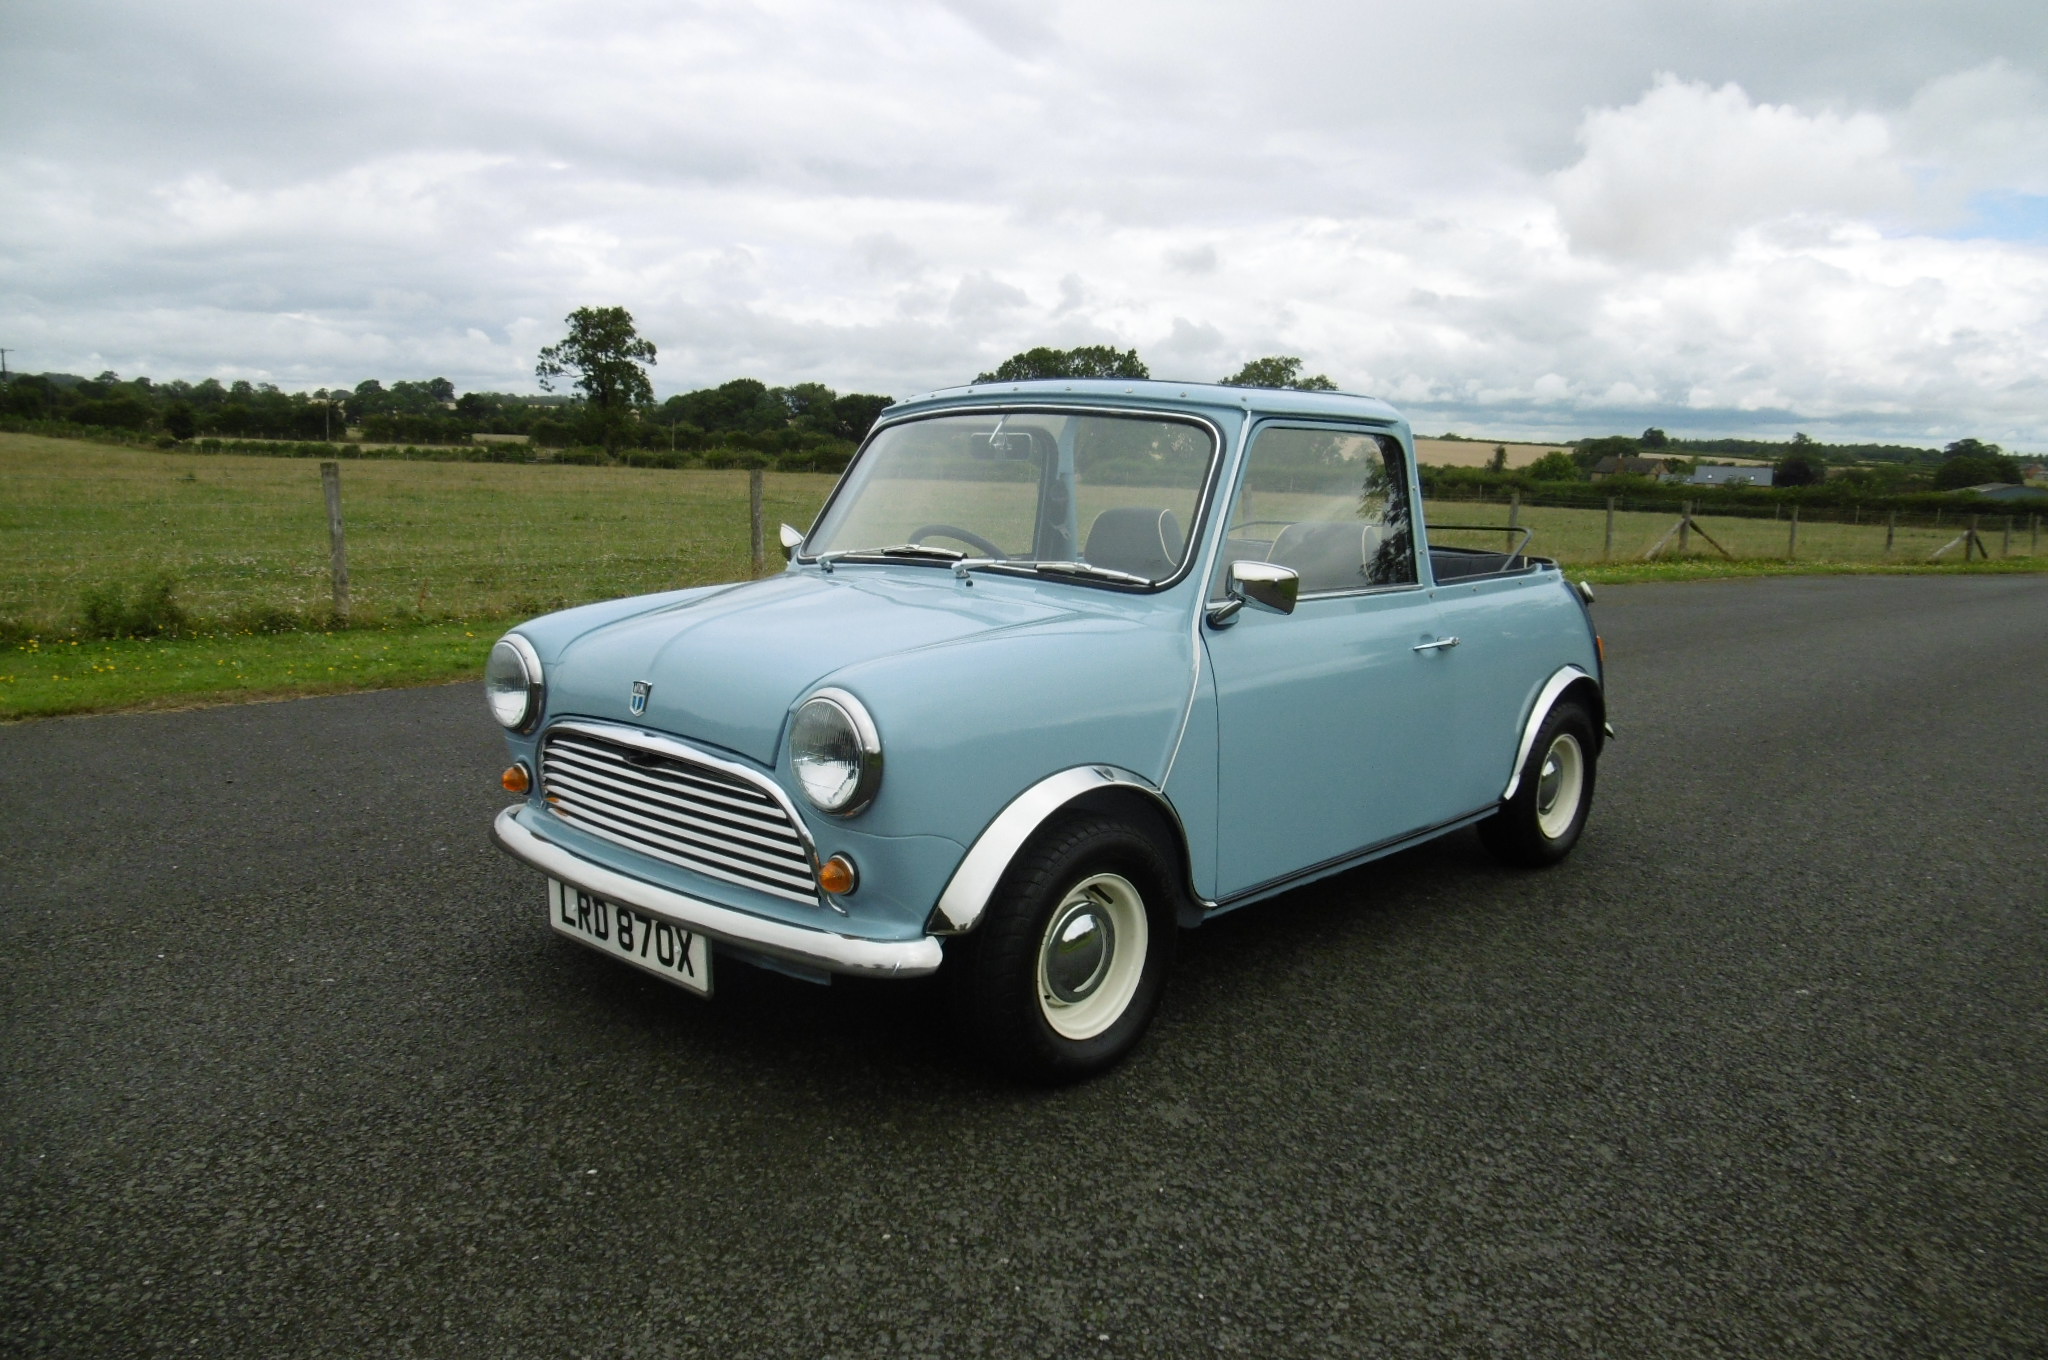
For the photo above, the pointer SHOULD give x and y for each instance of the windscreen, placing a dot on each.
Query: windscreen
(1109, 491)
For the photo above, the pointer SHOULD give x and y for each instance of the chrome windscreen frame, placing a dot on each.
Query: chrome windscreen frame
(1218, 455)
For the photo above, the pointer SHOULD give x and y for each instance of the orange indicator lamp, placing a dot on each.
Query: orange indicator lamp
(517, 778)
(838, 876)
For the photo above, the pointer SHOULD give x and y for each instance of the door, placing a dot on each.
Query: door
(1334, 725)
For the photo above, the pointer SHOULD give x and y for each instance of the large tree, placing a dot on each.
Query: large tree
(603, 353)
(1278, 370)
(1084, 361)
(1972, 462)
(1799, 468)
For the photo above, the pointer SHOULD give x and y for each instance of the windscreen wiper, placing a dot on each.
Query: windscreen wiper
(1087, 571)
(915, 551)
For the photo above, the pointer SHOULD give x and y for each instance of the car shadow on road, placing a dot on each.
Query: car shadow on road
(1234, 975)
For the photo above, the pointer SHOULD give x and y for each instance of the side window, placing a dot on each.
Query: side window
(1332, 505)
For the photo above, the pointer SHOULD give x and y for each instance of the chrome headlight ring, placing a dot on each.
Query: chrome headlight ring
(835, 753)
(513, 684)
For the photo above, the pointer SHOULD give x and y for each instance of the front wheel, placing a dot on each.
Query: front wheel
(1542, 822)
(1067, 967)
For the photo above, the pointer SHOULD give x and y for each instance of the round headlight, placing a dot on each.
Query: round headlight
(512, 682)
(835, 752)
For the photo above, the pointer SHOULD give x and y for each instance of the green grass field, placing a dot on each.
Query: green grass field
(442, 555)
(426, 541)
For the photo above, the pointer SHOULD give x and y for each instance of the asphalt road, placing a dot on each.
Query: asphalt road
(294, 1067)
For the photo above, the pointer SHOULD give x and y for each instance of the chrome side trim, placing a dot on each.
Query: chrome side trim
(1565, 677)
(804, 945)
(974, 882)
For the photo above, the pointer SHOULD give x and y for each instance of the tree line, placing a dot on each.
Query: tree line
(809, 423)
(603, 360)
(1856, 469)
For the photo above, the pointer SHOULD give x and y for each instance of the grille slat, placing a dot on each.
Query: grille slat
(657, 821)
(616, 826)
(716, 790)
(676, 810)
(775, 829)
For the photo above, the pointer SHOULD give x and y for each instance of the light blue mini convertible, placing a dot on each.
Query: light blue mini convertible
(1062, 668)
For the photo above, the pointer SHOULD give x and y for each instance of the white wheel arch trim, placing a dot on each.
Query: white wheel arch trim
(974, 882)
(1546, 699)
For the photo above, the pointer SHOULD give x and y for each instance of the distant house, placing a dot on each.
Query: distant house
(1654, 468)
(1731, 476)
(2007, 491)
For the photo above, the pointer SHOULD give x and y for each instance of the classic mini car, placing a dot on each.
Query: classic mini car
(1061, 668)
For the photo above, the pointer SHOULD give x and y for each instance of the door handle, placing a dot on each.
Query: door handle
(1444, 642)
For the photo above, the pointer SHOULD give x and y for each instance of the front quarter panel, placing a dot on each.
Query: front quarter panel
(967, 728)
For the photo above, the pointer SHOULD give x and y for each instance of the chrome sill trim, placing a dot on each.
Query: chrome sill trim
(805, 945)
(1350, 859)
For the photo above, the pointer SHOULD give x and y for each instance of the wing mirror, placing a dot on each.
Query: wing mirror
(792, 539)
(1262, 585)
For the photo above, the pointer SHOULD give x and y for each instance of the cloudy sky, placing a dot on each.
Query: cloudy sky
(1719, 216)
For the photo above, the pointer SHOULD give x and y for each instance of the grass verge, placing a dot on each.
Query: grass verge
(43, 678)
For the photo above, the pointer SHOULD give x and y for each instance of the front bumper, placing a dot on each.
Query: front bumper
(814, 948)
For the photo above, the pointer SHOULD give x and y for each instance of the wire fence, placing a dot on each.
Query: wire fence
(1638, 529)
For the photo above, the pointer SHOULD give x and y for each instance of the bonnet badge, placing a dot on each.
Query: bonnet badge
(638, 703)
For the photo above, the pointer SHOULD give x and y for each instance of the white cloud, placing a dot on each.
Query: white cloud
(1499, 215)
(1986, 127)
(1678, 173)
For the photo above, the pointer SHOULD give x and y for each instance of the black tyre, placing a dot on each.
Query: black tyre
(1066, 969)
(1541, 823)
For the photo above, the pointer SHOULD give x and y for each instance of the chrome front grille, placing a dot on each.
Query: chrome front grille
(659, 799)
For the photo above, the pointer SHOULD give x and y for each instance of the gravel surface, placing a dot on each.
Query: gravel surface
(293, 1065)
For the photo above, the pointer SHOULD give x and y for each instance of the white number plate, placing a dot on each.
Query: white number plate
(668, 951)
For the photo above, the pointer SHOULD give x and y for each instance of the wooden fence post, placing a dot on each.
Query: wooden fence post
(1514, 517)
(2034, 543)
(1972, 543)
(1792, 538)
(1891, 530)
(754, 521)
(1607, 547)
(1684, 526)
(337, 540)
(2005, 549)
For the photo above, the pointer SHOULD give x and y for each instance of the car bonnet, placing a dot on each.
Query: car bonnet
(725, 668)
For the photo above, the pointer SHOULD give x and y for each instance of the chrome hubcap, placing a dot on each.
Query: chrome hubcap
(1560, 785)
(1549, 782)
(1092, 956)
(1078, 949)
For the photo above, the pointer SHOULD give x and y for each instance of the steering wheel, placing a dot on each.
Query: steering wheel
(967, 536)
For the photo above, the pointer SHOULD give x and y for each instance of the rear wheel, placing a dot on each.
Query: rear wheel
(1066, 969)
(1543, 821)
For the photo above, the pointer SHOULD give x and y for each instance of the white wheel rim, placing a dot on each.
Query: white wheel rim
(1091, 956)
(1560, 779)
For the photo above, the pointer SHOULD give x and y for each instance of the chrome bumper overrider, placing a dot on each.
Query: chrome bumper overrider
(817, 948)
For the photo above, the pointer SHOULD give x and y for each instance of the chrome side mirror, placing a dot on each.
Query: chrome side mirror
(792, 539)
(1262, 585)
